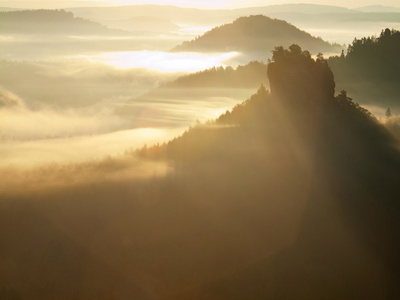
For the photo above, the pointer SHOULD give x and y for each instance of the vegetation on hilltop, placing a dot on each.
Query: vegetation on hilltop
(253, 33)
(251, 75)
(371, 68)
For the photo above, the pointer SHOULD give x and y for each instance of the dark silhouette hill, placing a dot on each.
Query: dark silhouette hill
(254, 33)
(371, 69)
(292, 194)
(45, 21)
(318, 149)
(251, 75)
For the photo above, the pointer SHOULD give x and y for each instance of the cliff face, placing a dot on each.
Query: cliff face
(294, 76)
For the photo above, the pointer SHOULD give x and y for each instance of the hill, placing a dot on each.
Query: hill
(315, 152)
(292, 194)
(379, 9)
(253, 33)
(204, 17)
(50, 22)
(370, 69)
(9, 9)
(332, 23)
(251, 75)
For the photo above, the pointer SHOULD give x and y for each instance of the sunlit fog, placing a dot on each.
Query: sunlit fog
(161, 61)
(214, 150)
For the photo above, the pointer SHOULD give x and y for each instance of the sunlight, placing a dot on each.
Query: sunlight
(33, 153)
(195, 30)
(161, 61)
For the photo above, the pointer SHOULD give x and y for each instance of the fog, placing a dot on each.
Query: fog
(70, 92)
(143, 156)
(66, 132)
(162, 61)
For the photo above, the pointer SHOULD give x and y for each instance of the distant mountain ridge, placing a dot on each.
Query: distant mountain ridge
(45, 21)
(193, 16)
(10, 9)
(379, 9)
(329, 22)
(255, 33)
(183, 14)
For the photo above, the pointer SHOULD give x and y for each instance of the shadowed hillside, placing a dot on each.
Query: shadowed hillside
(371, 69)
(254, 33)
(251, 75)
(318, 153)
(292, 194)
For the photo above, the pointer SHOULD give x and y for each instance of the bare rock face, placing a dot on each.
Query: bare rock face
(297, 78)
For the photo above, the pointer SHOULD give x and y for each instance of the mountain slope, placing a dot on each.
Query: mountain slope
(251, 75)
(254, 33)
(322, 155)
(370, 69)
(292, 194)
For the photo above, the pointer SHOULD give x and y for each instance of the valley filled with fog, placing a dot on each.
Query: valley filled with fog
(161, 152)
(77, 77)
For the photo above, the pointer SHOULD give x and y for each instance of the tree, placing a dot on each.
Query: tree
(388, 113)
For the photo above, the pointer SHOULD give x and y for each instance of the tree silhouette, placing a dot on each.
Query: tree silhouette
(371, 68)
(295, 76)
(388, 113)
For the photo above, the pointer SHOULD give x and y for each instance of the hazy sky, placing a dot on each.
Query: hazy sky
(190, 3)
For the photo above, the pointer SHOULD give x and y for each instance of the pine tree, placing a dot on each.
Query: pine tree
(388, 113)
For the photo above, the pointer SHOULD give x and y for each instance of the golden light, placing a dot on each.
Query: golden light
(161, 61)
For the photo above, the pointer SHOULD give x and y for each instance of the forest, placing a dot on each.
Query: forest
(371, 68)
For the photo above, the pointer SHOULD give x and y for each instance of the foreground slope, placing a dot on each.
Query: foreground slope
(291, 195)
(321, 154)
